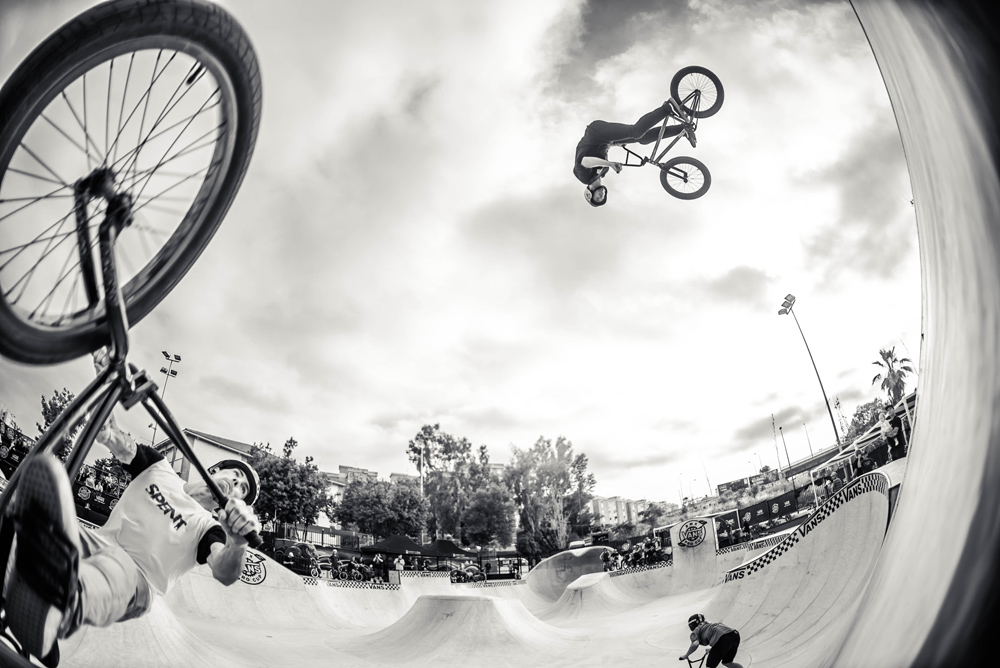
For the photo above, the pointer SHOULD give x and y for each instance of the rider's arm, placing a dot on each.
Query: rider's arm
(226, 559)
(590, 161)
(691, 650)
(121, 445)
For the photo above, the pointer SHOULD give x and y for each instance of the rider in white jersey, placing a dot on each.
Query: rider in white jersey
(162, 527)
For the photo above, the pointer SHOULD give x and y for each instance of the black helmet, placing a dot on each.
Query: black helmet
(695, 620)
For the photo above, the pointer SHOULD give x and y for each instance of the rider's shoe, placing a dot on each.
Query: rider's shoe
(675, 107)
(689, 133)
(43, 586)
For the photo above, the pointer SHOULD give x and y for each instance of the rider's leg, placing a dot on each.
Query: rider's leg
(42, 584)
(111, 587)
(648, 120)
(654, 133)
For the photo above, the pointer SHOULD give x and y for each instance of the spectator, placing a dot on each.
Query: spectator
(399, 563)
(866, 463)
(889, 433)
(897, 444)
(378, 565)
(425, 565)
(836, 484)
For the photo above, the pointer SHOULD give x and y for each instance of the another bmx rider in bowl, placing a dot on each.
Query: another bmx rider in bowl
(65, 575)
(592, 151)
(723, 640)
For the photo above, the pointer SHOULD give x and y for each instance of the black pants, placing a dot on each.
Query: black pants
(724, 651)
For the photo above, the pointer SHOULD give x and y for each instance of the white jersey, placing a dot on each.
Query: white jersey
(159, 525)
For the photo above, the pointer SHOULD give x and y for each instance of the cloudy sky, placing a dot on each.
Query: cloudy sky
(410, 246)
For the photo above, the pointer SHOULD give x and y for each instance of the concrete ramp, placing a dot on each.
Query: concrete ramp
(591, 595)
(796, 601)
(482, 630)
(551, 576)
(156, 640)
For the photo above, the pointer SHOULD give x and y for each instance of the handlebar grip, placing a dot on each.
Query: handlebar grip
(254, 539)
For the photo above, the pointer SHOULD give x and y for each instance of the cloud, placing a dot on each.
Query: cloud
(872, 231)
(744, 285)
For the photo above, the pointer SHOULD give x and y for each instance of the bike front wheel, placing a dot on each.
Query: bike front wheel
(159, 101)
(698, 90)
(685, 178)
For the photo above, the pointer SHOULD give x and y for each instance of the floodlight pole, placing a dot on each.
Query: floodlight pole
(786, 307)
(169, 372)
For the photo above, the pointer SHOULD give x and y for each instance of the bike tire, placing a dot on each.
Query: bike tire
(47, 326)
(685, 178)
(695, 78)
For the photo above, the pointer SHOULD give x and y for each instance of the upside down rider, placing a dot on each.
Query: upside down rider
(592, 162)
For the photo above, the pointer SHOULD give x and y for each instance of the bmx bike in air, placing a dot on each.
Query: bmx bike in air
(695, 93)
(124, 137)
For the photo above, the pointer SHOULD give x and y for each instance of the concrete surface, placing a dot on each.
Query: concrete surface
(791, 602)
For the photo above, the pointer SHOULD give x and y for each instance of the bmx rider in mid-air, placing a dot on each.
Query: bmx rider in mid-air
(592, 151)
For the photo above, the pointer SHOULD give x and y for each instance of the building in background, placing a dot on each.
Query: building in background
(612, 511)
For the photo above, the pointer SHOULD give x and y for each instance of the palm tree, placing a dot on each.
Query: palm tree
(896, 371)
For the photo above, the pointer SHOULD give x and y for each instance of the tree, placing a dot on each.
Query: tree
(548, 483)
(51, 409)
(451, 474)
(865, 416)
(653, 513)
(489, 517)
(895, 372)
(290, 492)
(381, 508)
(576, 503)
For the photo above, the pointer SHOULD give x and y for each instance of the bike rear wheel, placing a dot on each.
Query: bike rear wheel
(165, 99)
(685, 178)
(698, 91)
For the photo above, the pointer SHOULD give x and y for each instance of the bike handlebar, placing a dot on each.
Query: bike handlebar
(166, 422)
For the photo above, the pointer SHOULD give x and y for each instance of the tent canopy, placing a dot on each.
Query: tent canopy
(396, 545)
(447, 548)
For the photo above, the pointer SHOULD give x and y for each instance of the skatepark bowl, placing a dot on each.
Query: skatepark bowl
(848, 587)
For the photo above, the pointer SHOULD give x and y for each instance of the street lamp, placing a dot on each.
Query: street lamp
(169, 372)
(786, 307)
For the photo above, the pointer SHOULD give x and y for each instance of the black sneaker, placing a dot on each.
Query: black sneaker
(43, 584)
(675, 107)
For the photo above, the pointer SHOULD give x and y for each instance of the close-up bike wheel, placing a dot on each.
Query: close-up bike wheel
(685, 178)
(698, 90)
(158, 101)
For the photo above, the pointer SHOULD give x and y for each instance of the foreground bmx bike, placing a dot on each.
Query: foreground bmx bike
(124, 137)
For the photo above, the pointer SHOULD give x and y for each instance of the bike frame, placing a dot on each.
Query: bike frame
(692, 101)
(119, 383)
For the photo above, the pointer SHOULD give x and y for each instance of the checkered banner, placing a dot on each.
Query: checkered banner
(872, 482)
(349, 584)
